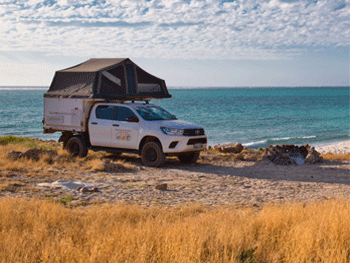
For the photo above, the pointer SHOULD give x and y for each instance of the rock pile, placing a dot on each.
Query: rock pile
(291, 154)
(33, 154)
(229, 148)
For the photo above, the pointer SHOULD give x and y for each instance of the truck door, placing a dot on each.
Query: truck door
(100, 125)
(125, 133)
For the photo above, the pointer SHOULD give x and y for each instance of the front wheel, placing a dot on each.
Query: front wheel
(188, 157)
(76, 147)
(152, 154)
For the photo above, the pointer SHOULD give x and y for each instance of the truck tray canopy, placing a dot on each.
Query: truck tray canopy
(107, 78)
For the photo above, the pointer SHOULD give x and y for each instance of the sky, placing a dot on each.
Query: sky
(188, 43)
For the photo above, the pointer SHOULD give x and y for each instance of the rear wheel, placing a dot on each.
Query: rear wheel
(188, 157)
(76, 147)
(152, 154)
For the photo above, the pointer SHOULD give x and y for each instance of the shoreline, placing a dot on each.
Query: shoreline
(342, 147)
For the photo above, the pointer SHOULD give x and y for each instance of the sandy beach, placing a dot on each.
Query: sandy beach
(222, 182)
(338, 148)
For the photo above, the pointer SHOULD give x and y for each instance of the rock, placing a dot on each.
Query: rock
(83, 189)
(304, 149)
(285, 155)
(161, 186)
(265, 159)
(94, 190)
(313, 157)
(229, 148)
(269, 155)
(33, 154)
(14, 155)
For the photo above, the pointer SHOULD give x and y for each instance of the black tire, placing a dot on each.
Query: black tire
(188, 157)
(152, 154)
(76, 147)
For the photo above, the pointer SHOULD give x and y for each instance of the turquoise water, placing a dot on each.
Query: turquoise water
(256, 117)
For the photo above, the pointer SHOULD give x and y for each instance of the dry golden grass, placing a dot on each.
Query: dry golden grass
(94, 162)
(336, 157)
(212, 156)
(44, 231)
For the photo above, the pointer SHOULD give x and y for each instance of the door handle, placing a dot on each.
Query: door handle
(94, 123)
(116, 125)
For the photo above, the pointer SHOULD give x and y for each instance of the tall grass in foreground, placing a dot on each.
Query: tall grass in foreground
(43, 231)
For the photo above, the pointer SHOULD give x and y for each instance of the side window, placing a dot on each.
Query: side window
(124, 113)
(106, 112)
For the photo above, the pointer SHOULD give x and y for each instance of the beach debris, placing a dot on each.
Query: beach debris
(33, 154)
(229, 148)
(70, 185)
(161, 186)
(289, 154)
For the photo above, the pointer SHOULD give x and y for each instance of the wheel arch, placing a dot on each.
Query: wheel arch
(147, 139)
(66, 135)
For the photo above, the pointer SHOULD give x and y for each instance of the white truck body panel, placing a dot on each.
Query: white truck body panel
(66, 114)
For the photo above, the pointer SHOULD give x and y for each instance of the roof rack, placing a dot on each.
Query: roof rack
(145, 100)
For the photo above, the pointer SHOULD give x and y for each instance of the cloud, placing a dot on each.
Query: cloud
(209, 29)
(82, 23)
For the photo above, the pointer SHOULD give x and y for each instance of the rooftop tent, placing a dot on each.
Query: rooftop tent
(107, 78)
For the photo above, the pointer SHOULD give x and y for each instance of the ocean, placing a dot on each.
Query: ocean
(255, 117)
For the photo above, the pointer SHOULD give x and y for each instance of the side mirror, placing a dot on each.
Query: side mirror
(132, 119)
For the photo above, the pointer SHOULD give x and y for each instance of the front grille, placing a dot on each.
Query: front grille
(193, 132)
(198, 140)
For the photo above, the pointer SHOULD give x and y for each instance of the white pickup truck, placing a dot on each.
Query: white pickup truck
(142, 128)
(88, 104)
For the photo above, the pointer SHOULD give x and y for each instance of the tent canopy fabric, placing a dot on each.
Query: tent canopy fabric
(107, 78)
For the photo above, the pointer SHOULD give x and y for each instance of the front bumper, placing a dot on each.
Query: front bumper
(180, 144)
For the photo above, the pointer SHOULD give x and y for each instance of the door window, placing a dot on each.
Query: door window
(124, 113)
(106, 112)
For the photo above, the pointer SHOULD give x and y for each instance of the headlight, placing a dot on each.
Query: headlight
(172, 131)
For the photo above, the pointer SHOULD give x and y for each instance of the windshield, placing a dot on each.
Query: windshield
(154, 113)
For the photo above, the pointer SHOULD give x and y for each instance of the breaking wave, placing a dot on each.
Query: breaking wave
(23, 88)
(312, 140)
